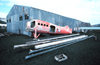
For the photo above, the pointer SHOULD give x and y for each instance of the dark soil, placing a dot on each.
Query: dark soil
(86, 52)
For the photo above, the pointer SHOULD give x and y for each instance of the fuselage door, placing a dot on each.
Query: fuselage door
(33, 24)
(52, 28)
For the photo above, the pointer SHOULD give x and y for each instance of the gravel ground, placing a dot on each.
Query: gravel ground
(86, 52)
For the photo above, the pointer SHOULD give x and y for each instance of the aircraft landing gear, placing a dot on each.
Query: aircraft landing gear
(35, 34)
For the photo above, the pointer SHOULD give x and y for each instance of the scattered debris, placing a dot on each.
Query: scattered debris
(60, 57)
(1, 35)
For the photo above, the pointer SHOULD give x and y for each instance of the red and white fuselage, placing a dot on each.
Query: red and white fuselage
(45, 27)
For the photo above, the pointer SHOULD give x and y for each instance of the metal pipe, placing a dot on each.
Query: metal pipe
(59, 42)
(41, 41)
(60, 37)
(69, 43)
(34, 51)
(45, 48)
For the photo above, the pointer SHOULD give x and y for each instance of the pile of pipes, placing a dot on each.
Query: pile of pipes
(47, 45)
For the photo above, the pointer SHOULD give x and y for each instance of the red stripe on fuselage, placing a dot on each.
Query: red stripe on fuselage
(45, 28)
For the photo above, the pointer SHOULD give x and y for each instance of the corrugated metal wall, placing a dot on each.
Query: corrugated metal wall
(16, 26)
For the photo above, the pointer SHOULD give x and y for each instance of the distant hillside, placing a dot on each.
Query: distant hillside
(97, 25)
(2, 19)
(2, 22)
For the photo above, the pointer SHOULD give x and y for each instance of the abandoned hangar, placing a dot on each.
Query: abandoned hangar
(19, 15)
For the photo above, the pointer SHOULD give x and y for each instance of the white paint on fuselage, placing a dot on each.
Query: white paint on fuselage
(41, 28)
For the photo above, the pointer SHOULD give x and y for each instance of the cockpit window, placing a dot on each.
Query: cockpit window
(41, 24)
(33, 24)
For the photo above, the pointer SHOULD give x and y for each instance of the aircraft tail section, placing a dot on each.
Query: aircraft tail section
(68, 29)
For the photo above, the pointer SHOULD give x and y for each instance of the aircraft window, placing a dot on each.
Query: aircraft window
(38, 23)
(26, 16)
(41, 24)
(44, 24)
(47, 25)
(20, 18)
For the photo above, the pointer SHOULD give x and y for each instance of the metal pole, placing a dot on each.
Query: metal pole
(69, 43)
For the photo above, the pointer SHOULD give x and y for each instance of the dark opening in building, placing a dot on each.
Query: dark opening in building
(20, 18)
(26, 16)
(19, 31)
(9, 20)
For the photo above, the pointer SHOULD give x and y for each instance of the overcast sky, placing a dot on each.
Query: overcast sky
(84, 10)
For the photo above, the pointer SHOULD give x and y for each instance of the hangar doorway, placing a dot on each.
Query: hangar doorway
(19, 31)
